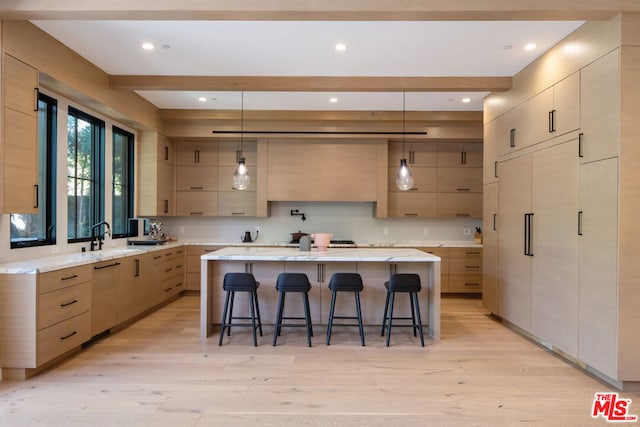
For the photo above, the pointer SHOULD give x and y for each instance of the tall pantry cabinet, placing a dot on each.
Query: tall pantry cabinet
(560, 264)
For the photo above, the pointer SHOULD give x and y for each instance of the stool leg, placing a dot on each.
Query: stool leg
(224, 317)
(393, 295)
(255, 294)
(276, 331)
(331, 310)
(359, 318)
(307, 315)
(413, 314)
(252, 302)
(233, 295)
(384, 318)
(419, 320)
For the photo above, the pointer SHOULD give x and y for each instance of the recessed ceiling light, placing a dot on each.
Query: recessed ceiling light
(147, 46)
(530, 46)
(202, 99)
(341, 47)
(333, 100)
(165, 46)
(466, 100)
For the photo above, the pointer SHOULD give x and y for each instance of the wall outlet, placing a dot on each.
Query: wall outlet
(467, 231)
(385, 231)
(181, 230)
(54, 250)
(425, 231)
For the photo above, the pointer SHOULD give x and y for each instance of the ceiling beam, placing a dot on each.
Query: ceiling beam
(311, 84)
(335, 10)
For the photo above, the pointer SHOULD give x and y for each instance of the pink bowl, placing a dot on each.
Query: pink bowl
(322, 240)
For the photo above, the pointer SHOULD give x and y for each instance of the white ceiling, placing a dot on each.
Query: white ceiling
(292, 48)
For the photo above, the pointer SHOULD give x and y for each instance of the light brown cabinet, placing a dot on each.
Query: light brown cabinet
(104, 296)
(411, 204)
(193, 265)
(420, 154)
(232, 202)
(490, 247)
(156, 165)
(465, 270)
(459, 155)
(19, 175)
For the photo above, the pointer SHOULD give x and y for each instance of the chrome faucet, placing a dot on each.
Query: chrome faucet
(99, 238)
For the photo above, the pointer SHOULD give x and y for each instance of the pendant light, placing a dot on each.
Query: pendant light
(404, 179)
(241, 179)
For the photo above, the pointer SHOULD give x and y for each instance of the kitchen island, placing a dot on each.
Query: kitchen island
(374, 265)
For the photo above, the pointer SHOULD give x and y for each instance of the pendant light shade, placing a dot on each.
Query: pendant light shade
(404, 179)
(241, 179)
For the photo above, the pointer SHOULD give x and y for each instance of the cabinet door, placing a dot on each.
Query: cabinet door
(598, 317)
(165, 204)
(104, 296)
(490, 151)
(425, 179)
(459, 155)
(196, 178)
(196, 153)
(459, 180)
(490, 247)
(197, 203)
(532, 120)
(412, 204)
(600, 108)
(416, 153)
(554, 274)
(505, 133)
(566, 105)
(514, 268)
(459, 205)
(237, 203)
(127, 285)
(228, 152)
(225, 178)
(20, 137)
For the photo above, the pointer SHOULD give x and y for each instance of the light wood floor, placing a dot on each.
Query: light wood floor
(157, 373)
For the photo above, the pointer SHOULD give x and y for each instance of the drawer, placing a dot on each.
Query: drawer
(62, 337)
(465, 252)
(56, 306)
(64, 278)
(465, 266)
(441, 252)
(469, 283)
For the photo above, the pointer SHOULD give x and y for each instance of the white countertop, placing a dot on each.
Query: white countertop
(332, 254)
(60, 261)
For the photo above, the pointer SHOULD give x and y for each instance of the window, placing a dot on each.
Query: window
(85, 174)
(122, 191)
(40, 229)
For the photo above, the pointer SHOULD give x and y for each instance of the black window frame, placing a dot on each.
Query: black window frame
(129, 230)
(50, 194)
(97, 171)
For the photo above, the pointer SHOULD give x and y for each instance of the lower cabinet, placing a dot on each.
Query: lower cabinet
(465, 270)
(193, 265)
(104, 296)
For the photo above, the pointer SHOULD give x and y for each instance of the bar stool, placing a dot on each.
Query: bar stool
(293, 282)
(240, 282)
(406, 283)
(345, 282)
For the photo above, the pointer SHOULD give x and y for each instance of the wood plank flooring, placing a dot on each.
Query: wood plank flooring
(158, 372)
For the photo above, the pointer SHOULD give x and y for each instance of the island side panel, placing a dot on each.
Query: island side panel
(434, 299)
(206, 302)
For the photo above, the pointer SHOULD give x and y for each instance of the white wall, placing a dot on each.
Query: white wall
(344, 220)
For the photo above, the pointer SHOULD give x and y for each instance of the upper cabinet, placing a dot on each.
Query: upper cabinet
(324, 171)
(600, 108)
(19, 155)
(156, 186)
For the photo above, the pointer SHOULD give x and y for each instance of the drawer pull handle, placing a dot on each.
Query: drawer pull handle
(410, 214)
(196, 213)
(68, 336)
(168, 254)
(157, 257)
(472, 284)
(463, 189)
(197, 188)
(106, 266)
(472, 253)
(179, 266)
(471, 266)
(65, 304)
(168, 270)
(69, 277)
(168, 289)
(179, 284)
(237, 213)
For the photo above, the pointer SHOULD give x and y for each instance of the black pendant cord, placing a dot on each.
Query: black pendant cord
(241, 124)
(404, 112)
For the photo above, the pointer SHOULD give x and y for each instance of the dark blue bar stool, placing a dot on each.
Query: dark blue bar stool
(240, 282)
(293, 282)
(345, 282)
(406, 283)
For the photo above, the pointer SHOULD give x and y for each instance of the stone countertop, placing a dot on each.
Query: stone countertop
(332, 254)
(60, 261)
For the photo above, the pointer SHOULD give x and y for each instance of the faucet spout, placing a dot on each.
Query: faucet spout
(99, 238)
